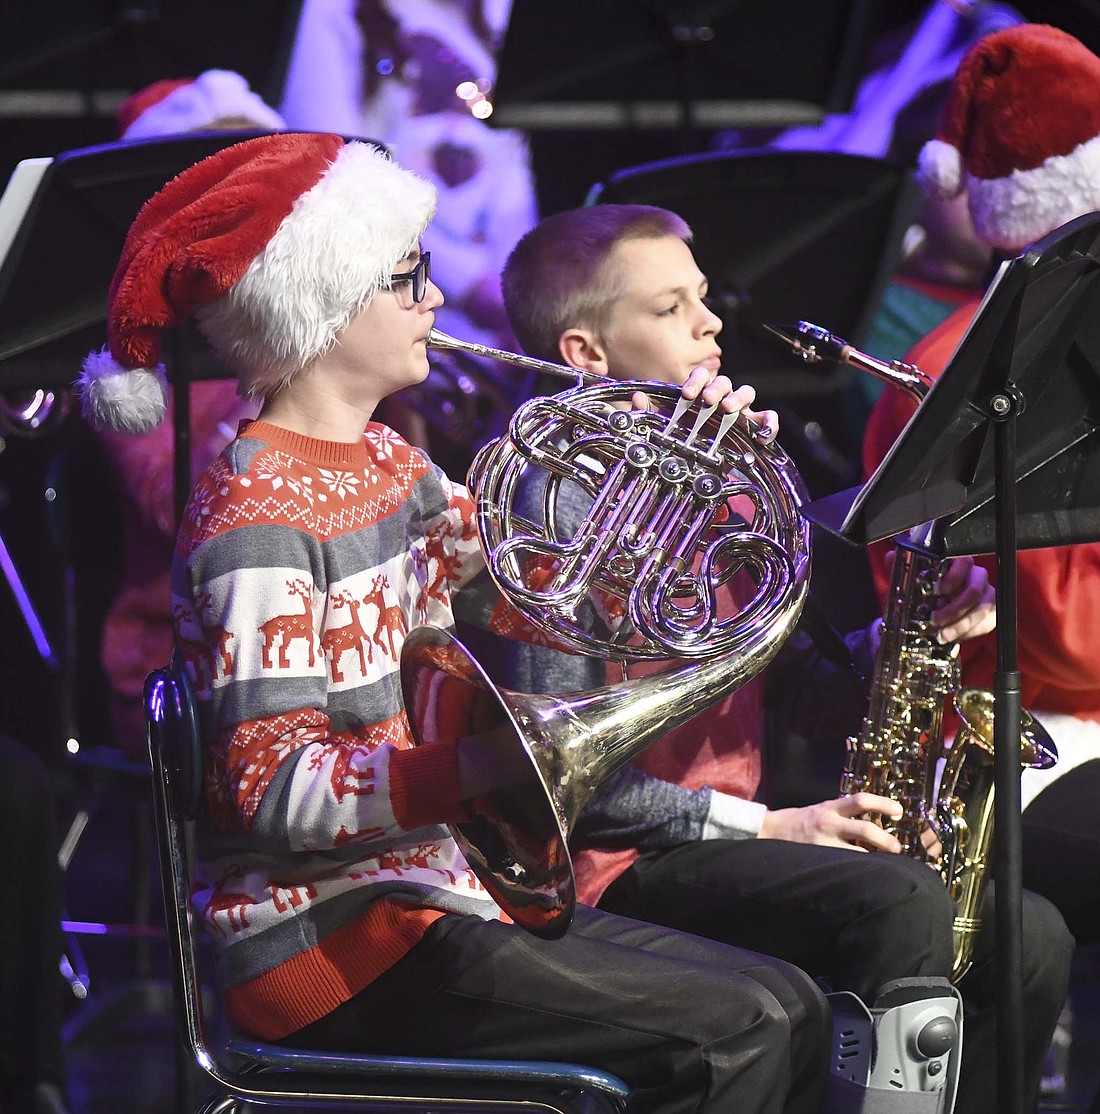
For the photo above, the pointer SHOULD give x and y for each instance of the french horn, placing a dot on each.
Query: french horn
(683, 498)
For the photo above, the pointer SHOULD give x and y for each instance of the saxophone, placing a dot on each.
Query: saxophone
(901, 753)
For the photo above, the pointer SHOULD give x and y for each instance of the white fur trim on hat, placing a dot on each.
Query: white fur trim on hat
(113, 397)
(214, 95)
(1016, 210)
(337, 247)
(939, 169)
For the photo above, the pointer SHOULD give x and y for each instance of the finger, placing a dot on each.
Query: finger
(932, 846)
(953, 575)
(971, 594)
(639, 400)
(859, 803)
(873, 838)
(971, 612)
(717, 388)
(720, 391)
(982, 620)
(697, 379)
(767, 424)
(957, 605)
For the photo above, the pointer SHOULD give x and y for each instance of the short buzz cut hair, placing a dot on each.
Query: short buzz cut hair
(556, 277)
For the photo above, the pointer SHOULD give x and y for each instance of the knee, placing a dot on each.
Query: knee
(901, 927)
(1047, 950)
(911, 905)
(788, 1037)
(794, 1010)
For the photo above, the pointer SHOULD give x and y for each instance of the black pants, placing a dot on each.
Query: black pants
(1061, 852)
(30, 930)
(855, 920)
(690, 1024)
(1061, 848)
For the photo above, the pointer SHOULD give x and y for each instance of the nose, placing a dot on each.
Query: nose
(709, 323)
(433, 297)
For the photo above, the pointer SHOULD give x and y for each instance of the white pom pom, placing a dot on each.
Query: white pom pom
(939, 169)
(130, 400)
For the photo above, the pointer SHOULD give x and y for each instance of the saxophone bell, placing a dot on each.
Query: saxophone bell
(961, 813)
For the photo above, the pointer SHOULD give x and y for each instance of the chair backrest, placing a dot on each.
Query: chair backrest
(277, 1075)
(175, 754)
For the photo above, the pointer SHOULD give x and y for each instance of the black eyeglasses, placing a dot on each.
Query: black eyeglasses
(418, 276)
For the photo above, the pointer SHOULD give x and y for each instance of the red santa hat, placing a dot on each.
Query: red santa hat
(1021, 134)
(274, 244)
(178, 105)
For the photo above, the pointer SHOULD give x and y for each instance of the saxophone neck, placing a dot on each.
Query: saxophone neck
(814, 344)
(912, 594)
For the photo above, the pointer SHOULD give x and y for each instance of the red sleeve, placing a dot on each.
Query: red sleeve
(1058, 605)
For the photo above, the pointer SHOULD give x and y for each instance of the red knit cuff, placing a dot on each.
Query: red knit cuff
(424, 786)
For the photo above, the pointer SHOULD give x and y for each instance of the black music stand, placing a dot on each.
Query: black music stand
(1004, 453)
(678, 63)
(62, 225)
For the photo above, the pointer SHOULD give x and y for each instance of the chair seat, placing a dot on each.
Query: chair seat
(529, 1071)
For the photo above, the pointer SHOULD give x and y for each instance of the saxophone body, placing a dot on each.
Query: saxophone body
(901, 738)
(901, 751)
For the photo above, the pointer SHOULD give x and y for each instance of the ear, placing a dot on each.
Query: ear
(582, 349)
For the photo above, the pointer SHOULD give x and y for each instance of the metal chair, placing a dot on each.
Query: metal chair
(249, 1071)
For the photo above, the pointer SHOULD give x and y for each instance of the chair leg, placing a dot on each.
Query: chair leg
(144, 991)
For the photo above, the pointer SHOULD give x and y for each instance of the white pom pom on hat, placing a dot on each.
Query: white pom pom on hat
(939, 166)
(274, 244)
(131, 400)
(1021, 134)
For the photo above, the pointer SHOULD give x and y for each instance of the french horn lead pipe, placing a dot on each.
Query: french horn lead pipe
(439, 339)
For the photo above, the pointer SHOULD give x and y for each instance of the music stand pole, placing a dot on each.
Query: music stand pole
(1008, 846)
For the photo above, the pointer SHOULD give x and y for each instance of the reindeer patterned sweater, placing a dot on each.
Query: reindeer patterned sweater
(298, 570)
